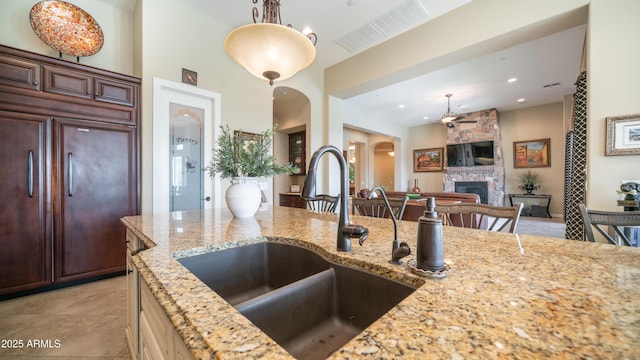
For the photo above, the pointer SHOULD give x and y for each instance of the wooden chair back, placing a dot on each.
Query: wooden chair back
(615, 220)
(323, 203)
(376, 207)
(496, 218)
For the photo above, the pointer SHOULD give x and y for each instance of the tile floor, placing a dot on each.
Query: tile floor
(85, 321)
(89, 319)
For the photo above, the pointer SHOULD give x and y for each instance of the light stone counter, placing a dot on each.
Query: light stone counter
(560, 299)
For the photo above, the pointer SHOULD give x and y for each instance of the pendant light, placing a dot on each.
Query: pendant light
(269, 49)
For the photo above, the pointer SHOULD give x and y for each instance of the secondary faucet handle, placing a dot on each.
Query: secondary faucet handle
(353, 231)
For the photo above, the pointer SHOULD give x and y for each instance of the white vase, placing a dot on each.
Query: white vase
(243, 197)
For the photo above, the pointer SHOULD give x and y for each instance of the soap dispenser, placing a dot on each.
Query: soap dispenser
(430, 247)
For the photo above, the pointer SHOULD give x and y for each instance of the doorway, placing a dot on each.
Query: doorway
(185, 122)
(384, 165)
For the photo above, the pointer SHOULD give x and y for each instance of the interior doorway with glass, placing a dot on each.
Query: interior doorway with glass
(187, 156)
(185, 122)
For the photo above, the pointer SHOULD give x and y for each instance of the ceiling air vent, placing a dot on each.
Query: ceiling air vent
(548, 86)
(399, 19)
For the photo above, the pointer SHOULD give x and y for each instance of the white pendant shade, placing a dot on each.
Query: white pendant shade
(265, 49)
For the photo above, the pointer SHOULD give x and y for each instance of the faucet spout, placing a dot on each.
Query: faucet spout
(346, 231)
(398, 249)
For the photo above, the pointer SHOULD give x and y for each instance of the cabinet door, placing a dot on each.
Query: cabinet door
(25, 255)
(95, 170)
(297, 151)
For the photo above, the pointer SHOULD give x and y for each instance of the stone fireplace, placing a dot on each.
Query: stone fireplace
(487, 128)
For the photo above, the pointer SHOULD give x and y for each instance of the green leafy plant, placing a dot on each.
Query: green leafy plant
(529, 178)
(237, 156)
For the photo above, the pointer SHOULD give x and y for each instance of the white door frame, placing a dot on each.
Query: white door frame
(165, 92)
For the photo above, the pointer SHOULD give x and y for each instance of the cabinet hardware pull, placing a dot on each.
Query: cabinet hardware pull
(30, 174)
(70, 170)
(129, 271)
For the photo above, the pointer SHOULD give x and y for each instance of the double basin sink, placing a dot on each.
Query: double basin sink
(307, 304)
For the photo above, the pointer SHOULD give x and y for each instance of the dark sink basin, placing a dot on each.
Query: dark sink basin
(244, 272)
(308, 305)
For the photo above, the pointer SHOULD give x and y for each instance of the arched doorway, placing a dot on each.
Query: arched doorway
(291, 113)
(383, 165)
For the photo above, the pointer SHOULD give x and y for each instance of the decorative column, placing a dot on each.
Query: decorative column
(578, 164)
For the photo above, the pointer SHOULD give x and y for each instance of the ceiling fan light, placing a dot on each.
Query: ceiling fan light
(266, 49)
(448, 118)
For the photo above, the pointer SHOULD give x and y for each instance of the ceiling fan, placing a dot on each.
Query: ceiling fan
(450, 119)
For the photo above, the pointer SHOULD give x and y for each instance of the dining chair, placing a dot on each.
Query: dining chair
(375, 207)
(615, 220)
(481, 216)
(323, 203)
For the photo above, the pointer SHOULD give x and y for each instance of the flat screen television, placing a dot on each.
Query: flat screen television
(470, 154)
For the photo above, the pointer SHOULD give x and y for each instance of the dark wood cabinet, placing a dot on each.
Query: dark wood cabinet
(297, 151)
(95, 188)
(69, 151)
(292, 200)
(25, 255)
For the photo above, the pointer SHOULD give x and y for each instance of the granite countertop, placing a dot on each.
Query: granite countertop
(560, 299)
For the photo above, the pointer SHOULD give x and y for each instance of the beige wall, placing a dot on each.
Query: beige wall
(613, 76)
(117, 26)
(426, 137)
(383, 169)
(540, 122)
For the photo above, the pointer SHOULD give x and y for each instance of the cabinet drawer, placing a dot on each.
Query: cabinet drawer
(64, 82)
(20, 73)
(115, 92)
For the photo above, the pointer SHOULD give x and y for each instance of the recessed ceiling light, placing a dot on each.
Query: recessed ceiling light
(426, 118)
(307, 30)
(521, 100)
(512, 80)
(401, 106)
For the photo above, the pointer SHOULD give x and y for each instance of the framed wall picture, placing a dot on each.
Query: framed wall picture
(532, 153)
(623, 135)
(425, 160)
(247, 137)
(189, 77)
